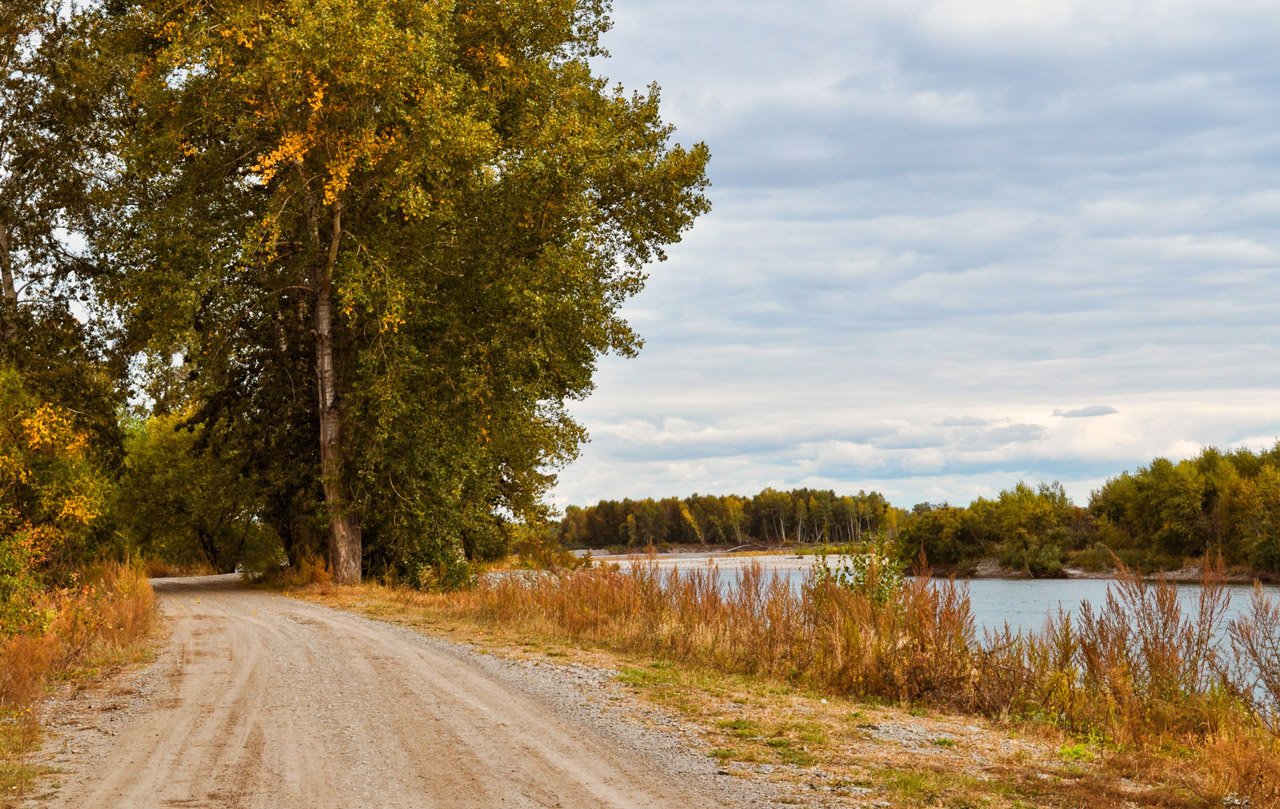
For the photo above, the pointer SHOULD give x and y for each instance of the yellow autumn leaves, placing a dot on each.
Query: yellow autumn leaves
(342, 153)
(293, 147)
(50, 490)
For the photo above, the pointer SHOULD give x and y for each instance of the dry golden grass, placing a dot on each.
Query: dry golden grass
(310, 570)
(100, 623)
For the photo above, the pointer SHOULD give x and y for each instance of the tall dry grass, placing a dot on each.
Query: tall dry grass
(1137, 672)
(101, 620)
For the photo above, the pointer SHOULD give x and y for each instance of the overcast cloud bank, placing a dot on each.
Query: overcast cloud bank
(954, 245)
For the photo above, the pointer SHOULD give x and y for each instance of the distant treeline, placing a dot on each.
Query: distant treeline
(773, 517)
(1160, 517)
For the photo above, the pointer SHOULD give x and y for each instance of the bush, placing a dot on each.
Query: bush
(1097, 558)
(537, 548)
(51, 495)
(1041, 558)
(873, 575)
(445, 569)
(184, 501)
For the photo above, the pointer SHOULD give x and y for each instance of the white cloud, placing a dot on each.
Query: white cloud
(937, 223)
(1091, 411)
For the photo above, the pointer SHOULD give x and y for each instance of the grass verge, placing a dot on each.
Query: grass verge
(98, 625)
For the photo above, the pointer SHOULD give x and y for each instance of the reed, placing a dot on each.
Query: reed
(1132, 663)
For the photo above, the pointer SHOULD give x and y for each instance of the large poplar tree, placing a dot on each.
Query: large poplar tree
(438, 202)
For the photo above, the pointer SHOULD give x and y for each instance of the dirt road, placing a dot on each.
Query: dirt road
(265, 701)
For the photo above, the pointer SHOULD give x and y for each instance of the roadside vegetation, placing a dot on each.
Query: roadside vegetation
(1134, 688)
(62, 614)
(97, 622)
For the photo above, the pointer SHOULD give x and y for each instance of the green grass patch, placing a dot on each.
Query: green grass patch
(742, 728)
(645, 677)
(1075, 752)
(921, 787)
(789, 752)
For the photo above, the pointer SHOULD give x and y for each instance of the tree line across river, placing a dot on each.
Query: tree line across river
(772, 516)
(1162, 516)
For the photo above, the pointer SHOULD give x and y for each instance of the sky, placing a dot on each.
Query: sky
(954, 245)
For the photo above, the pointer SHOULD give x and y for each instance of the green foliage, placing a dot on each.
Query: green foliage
(1076, 752)
(51, 496)
(440, 567)
(874, 575)
(184, 500)
(65, 362)
(475, 201)
(801, 515)
(1097, 557)
(1163, 516)
(1028, 529)
(43, 171)
(537, 548)
(942, 534)
(1166, 514)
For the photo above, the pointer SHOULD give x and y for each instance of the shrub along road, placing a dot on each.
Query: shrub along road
(258, 700)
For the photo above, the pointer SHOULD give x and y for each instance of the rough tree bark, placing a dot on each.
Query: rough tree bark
(9, 312)
(344, 530)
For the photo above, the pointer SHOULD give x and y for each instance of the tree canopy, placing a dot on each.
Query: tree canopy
(438, 206)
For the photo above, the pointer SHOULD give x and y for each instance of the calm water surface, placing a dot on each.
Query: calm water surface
(1025, 603)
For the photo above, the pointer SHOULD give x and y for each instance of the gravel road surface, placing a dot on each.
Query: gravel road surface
(257, 700)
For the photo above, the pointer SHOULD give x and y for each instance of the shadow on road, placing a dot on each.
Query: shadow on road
(188, 585)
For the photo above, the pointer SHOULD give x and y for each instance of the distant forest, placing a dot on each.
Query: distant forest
(1161, 517)
(773, 517)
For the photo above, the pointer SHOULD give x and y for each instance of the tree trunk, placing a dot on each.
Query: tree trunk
(344, 530)
(9, 312)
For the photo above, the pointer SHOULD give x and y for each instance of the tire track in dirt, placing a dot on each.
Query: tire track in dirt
(266, 702)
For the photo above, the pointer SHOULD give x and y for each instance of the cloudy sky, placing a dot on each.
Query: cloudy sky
(955, 244)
